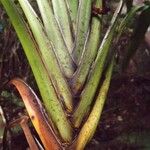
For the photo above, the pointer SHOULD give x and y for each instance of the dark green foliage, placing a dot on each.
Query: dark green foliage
(138, 35)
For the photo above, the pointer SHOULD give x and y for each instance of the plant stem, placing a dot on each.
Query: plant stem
(50, 99)
(64, 21)
(48, 56)
(89, 127)
(96, 73)
(90, 52)
(83, 20)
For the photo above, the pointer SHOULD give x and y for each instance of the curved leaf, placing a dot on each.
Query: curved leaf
(36, 114)
(48, 56)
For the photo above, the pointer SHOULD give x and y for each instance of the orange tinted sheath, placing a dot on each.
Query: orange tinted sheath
(36, 114)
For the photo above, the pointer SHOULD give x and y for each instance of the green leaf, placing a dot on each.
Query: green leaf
(63, 18)
(73, 9)
(128, 19)
(90, 52)
(90, 88)
(46, 88)
(55, 36)
(83, 20)
(48, 56)
(89, 127)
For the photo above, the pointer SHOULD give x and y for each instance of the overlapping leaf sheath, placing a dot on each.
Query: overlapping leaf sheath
(56, 36)
(96, 73)
(62, 43)
(49, 97)
(83, 20)
(63, 18)
(90, 52)
(47, 54)
(89, 127)
(73, 9)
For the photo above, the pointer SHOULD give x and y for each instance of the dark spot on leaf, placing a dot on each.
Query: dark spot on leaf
(32, 117)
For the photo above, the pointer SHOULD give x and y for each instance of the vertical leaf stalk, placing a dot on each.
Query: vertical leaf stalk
(55, 36)
(90, 52)
(47, 91)
(63, 18)
(89, 127)
(73, 9)
(96, 73)
(48, 56)
(84, 15)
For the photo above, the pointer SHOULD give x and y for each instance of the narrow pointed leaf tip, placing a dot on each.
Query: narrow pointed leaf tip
(36, 114)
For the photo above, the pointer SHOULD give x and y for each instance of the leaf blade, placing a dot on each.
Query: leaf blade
(40, 73)
(92, 84)
(48, 55)
(83, 19)
(63, 18)
(90, 52)
(89, 127)
(73, 9)
(54, 33)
